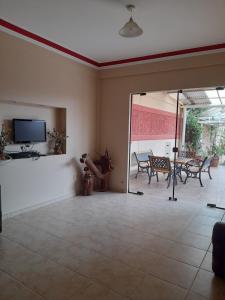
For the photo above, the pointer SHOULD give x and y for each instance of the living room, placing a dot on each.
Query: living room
(41, 201)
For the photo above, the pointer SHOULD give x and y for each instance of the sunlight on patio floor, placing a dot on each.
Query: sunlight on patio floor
(213, 190)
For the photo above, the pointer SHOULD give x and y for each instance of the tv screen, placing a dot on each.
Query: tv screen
(29, 131)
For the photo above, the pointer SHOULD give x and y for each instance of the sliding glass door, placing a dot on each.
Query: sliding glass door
(152, 134)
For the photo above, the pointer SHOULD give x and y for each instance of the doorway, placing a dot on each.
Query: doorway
(152, 128)
(200, 134)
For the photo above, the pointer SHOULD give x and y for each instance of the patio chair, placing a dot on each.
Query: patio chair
(187, 154)
(194, 169)
(160, 164)
(143, 162)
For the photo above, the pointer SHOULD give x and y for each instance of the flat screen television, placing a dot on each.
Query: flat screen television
(29, 131)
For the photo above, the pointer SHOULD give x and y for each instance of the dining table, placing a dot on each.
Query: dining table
(182, 160)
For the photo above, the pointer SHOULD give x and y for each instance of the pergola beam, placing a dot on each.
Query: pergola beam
(204, 106)
(211, 122)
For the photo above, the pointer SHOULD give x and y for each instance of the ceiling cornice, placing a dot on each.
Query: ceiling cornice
(73, 54)
(48, 43)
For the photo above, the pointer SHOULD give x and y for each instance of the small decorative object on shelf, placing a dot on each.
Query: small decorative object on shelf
(4, 141)
(57, 140)
(100, 169)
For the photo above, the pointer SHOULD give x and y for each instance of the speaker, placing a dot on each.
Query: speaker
(0, 209)
(218, 257)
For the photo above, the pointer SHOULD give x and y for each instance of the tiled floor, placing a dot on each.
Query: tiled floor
(111, 247)
(213, 190)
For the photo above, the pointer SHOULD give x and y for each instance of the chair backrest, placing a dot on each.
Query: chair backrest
(160, 164)
(187, 154)
(142, 156)
(206, 163)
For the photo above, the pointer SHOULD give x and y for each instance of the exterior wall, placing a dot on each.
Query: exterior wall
(118, 84)
(34, 75)
(153, 123)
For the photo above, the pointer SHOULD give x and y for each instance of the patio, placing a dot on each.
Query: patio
(200, 131)
(212, 192)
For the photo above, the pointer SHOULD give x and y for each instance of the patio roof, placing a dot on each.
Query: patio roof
(214, 115)
(211, 98)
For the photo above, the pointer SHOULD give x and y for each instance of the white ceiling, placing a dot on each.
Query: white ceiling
(90, 27)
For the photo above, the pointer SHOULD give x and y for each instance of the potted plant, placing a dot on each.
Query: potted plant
(4, 141)
(57, 140)
(193, 132)
(216, 151)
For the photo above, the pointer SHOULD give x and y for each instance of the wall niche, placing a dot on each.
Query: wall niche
(55, 118)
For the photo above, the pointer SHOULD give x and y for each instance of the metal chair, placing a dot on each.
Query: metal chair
(142, 162)
(160, 164)
(194, 169)
(187, 154)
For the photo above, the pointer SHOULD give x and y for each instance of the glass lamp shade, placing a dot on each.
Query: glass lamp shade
(130, 29)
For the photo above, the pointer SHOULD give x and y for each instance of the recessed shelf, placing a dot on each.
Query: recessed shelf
(55, 117)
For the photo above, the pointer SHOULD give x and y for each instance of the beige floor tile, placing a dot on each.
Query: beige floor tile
(187, 254)
(53, 282)
(10, 289)
(49, 246)
(194, 296)
(158, 245)
(205, 220)
(114, 275)
(15, 258)
(194, 240)
(84, 262)
(133, 236)
(40, 275)
(209, 286)
(33, 238)
(175, 250)
(207, 262)
(202, 229)
(97, 292)
(211, 248)
(160, 266)
(214, 213)
(156, 289)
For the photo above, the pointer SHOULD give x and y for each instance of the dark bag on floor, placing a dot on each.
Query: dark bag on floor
(218, 255)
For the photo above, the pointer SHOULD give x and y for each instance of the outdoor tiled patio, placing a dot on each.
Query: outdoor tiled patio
(212, 192)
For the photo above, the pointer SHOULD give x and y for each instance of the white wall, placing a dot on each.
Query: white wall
(34, 75)
(158, 147)
(11, 110)
(118, 84)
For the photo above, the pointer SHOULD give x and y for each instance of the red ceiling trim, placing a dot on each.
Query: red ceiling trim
(164, 54)
(74, 54)
(46, 42)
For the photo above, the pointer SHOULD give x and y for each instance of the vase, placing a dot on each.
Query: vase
(214, 162)
(88, 185)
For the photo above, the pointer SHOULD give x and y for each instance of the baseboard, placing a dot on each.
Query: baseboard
(29, 208)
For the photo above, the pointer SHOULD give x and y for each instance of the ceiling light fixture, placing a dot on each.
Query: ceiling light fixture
(131, 28)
